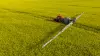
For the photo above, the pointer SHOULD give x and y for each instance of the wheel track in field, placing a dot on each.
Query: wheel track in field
(84, 6)
(27, 13)
(79, 25)
(88, 28)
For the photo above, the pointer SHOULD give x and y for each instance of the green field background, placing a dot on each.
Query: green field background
(25, 25)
